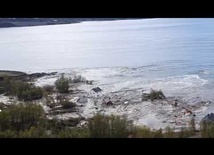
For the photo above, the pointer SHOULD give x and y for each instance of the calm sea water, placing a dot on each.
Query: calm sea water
(176, 55)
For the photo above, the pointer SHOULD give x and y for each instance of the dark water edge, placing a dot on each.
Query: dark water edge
(23, 75)
(21, 22)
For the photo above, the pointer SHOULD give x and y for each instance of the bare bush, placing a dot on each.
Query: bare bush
(77, 79)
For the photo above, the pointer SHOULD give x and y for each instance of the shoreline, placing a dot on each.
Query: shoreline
(28, 22)
(23, 76)
(154, 114)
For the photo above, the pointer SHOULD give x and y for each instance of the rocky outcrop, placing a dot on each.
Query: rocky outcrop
(16, 75)
(39, 75)
(12, 74)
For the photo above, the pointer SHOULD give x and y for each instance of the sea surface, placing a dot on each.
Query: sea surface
(175, 55)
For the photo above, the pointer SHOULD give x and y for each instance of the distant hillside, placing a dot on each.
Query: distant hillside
(19, 22)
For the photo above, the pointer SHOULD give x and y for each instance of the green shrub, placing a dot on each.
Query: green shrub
(169, 133)
(56, 125)
(207, 130)
(2, 105)
(74, 133)
(210, 131)
(21, 116)
(158, 134)
(8, 134)
(24, 90)
(30, 94)
(101, 126)
(7, 86)
(184, 133)
(77, 79)
(2, 90)
(143, 132)
(34, 132)
(192, 125)
(62, 84)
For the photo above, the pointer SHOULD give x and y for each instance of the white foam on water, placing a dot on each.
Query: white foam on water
(114, 79)
(45, 81)
(151, 121)
(178, 82)
(112, 82)
(144, 113)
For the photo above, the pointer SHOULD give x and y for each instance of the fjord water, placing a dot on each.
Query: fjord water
(175, 55)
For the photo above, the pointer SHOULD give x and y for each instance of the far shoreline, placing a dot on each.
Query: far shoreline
(29, 22)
